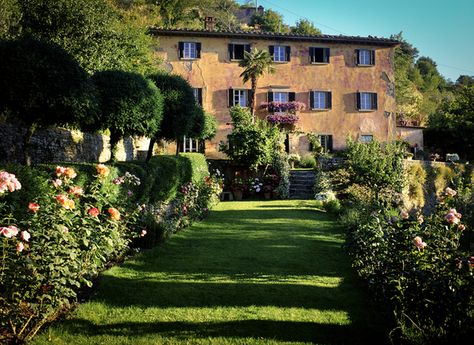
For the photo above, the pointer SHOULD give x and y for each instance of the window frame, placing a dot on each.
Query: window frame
(328, 142)
(185, 51)
(327, 100)
(326, 54)
(363, 138)
(283, 50)
(370, 57)
(240, 92)
(373, 101)
(246, 48)
(197, 92)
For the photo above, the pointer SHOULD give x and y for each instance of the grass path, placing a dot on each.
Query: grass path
(252, 273)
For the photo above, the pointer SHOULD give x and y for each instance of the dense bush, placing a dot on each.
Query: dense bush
(418, 265)
(66, 223)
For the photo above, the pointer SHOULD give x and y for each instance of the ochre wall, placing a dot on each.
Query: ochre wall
(412, 135)
(215, 74)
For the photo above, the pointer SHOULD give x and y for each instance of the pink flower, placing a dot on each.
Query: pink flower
(65, 230)
(418, 242)
(9, 232)
(19, 247)
(461, 227)
(129, 193)
(450, 192)
(76, 191)
(33, 207)
(114, 213)
(25, 236)
(93, 211)
(8, 182)
(57, 183)
(142, 233)
(404, 214)
(118, 180)
(60, 170)
(453, 217)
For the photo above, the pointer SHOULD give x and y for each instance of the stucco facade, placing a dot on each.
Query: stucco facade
(215, 73)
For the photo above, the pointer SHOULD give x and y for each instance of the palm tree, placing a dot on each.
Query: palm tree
(255, 64)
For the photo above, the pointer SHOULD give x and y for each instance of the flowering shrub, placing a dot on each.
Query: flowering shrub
(60, 243)
(282, 119)
(290, 107)
(418, 265)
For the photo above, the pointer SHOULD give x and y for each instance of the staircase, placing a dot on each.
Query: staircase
(301, 184)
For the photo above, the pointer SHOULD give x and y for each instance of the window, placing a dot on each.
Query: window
(191, 145)
(236, 51)
(326, 142)
(280, 53)
(365, 57)
(189, 50)
(366, 138)
(238, 97)
(319, 55)
(366, 101)
(320, 99)
(198, 95)
(278, 96)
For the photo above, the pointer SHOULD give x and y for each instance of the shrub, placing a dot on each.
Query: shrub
(332, 205)
(308, 161)
(443, 176)
(418, 265)
(414, 188)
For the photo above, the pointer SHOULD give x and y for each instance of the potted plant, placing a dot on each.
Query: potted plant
(238, 187)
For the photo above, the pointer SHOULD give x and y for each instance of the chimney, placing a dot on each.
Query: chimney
(209, 23)
(260, 10)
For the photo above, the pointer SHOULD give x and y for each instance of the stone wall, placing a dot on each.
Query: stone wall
(61, 145)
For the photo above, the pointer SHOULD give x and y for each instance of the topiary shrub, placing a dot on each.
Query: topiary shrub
(414, 191)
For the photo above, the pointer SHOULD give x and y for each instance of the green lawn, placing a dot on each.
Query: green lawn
(253, 273)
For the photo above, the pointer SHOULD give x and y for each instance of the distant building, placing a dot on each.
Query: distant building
(346, 83)
(244, 14)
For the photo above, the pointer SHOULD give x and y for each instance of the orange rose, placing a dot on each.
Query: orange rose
(61, 198)
(70, 173)
(114, 213)
(102, 170)
(93, 211)
(76, 191)
(33, 207)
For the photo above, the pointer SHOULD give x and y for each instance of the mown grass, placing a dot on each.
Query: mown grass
(252, 273)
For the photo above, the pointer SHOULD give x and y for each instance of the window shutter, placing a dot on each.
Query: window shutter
(181, 49)
(372, 57)
(311, 100)
(231, 51)
(291, 96)
(231, 98)
(247, 48)
(202, 146)
(358, 56)
(329, 100)
(312, 58)
(270, 96)
(249, 97)
(329, 143)
(326, 55)
(198, 50)
(271, 50)
(200, 96)
(374, 101)
(358, 100)
(180, 145)
(288, 53)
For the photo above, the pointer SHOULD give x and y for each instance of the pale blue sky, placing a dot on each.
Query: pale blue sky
(440, 29)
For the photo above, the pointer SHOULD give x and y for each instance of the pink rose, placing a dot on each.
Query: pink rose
(450, 192)
(60, 170)
(452, 217)
(33, 207)
(142, 233)
(461, 227)
(404, 214)
(76, 191)
(9, 232)
(418, 242)
(65, 230)
(19, 247)
(93, 211)
(57, 183)
(25, 236)
(8, 182)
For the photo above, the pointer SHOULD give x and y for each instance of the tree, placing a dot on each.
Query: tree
(305, 27)
(130, 105)
(269, 21)
(250, 142)
(42, 85)
(255, 64)
(464, 81)
(9, 19)
(224, 13)
(91, 31)
(179, 112)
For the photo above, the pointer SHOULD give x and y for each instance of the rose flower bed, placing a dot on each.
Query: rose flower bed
(59, 229)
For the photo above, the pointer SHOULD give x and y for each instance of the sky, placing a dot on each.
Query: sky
(442, 30)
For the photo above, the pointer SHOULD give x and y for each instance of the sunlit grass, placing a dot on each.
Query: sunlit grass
(253, 273)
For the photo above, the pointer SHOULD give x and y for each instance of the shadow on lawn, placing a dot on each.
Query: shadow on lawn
(288, 331)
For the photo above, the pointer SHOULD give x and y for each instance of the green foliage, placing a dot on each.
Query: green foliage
(255, 64)
(279, 163)
(210, 127)
(305, 27)
(375, 166)
(9, 19)
(179, 112)
(269, 21)
(91, 31)
(419, 266)
(308, 161)
(42, 85)
(415, 186)
(249, 143)
(332, 206)
(443, 176)
(130, 105)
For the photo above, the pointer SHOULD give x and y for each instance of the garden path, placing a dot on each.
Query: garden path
(260, 272)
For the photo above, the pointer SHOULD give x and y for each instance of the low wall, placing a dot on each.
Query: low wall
(61, 145)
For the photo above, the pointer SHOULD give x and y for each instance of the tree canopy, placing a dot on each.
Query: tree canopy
(305, 27)
(269, 21)
(130, 105)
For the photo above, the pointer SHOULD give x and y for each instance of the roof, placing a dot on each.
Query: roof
(370, 40)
